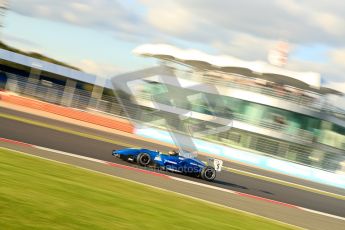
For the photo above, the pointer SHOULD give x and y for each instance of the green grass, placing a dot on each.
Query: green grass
(40, 194)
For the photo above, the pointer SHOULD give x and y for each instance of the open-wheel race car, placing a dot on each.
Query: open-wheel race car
(185, 162)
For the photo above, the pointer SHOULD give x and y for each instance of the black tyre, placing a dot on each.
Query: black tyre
(208, 173)
(144, 159)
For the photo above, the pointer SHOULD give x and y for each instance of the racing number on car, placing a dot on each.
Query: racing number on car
(218, 164)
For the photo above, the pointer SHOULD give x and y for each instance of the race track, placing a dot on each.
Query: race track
(76, 144)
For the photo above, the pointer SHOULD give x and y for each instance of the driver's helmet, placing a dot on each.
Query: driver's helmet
(173, 152)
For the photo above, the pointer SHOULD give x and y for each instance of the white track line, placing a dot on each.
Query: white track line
(203, 185)
(70, 154)
(278, 181)
(147, 185)
(322, 213)
(177, 179)
(183, 180)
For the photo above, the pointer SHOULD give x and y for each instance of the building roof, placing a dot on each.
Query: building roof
(53, 68)
(326, 90)
(225, 63)
(46, 66)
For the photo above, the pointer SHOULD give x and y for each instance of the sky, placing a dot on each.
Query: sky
(98, 36)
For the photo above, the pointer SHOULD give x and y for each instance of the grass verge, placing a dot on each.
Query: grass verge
(40, 194)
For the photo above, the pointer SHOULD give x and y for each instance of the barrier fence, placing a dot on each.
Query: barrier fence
(310, 155)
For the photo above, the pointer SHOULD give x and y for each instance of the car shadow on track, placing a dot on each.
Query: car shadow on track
(228, 184)
(218, 183)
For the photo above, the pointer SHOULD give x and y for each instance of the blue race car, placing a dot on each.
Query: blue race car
(185, 163)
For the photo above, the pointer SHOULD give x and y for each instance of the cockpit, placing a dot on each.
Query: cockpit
(185, 154)
(174, 153)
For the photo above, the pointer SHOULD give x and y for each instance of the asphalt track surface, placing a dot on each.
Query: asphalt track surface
(149, 145)
(53, 139)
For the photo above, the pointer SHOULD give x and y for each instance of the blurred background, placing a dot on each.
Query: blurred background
(277, 67)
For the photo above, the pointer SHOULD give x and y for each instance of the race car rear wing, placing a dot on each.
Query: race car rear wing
(216, 163)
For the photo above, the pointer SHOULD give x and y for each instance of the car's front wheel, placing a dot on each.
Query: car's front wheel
(208, 173)
(144, 159)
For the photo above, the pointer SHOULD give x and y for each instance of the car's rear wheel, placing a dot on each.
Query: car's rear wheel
(208, 173)
(144, 159)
